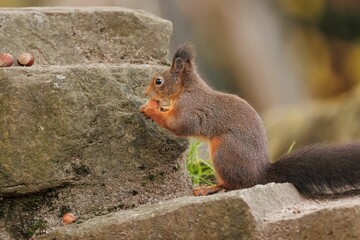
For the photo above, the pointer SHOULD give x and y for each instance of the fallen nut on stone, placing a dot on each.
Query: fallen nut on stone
(6, 60)
(68, 218)
(26, 59)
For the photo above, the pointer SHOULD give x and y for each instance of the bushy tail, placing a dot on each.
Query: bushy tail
(320, 169)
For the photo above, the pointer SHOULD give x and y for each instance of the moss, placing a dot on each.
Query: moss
(2, 213)
(151, 177)
(81, 170)
(25, 229)
(22, 216)
(36, 227)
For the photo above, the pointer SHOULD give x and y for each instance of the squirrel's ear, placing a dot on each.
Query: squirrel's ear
(178, 65)
(183, 58)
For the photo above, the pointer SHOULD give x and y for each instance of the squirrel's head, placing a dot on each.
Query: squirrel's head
(169, 84)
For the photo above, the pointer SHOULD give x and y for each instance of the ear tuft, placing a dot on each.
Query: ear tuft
(186, 52)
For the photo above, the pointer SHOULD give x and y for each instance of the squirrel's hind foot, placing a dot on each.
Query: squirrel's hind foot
(204, 191)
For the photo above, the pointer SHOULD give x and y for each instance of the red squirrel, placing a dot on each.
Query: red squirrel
(237, 136)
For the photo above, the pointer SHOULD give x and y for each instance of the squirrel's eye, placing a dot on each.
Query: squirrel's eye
(158, 81)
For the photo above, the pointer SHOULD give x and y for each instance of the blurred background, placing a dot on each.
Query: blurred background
(270, 52)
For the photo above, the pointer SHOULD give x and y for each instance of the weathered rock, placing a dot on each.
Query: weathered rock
(334, 221)
(67, 36)
(211, 217)
(63, 124)
(71, 136)
(317, 122)
(184, 218)
(273, 211)
(79, 128)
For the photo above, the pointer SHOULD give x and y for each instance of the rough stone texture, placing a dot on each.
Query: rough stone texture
(62, 125)
(211, 217)
(66, 36)
(317, 122)
(326, 219)
(273, 211)
(331, 223)
(78, 129)
(71, 136)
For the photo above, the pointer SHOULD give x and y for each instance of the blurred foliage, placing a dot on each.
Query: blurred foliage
(322, 38)
(325, 36)
(352, 62)
(20, 3)
(303, 9)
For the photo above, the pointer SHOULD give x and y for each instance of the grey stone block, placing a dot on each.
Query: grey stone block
(272, 211)
(68, 36)
(73, 138)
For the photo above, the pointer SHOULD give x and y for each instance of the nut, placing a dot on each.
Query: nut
(26, 59)
(68, 218)
(6, 60)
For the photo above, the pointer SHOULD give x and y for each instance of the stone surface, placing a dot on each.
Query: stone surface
(65, 124)
(327, 219)
(77, 131)
(71, 136)
(67, 36)
(273, 211)
(316, 122)
(211, 217)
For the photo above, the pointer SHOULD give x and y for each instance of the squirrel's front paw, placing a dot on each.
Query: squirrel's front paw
(148, 106)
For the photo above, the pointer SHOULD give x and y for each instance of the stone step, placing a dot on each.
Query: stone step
(269, 212)
(72, 139)
(328, 219)
(66, 36)
(58, 124)
(71, 136)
